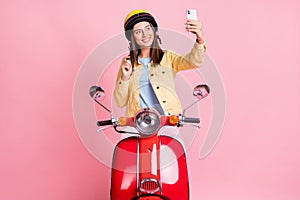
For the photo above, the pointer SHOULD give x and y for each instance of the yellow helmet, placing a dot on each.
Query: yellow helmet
(135, 17)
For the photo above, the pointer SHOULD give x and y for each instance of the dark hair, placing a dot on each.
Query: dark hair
(156, 53)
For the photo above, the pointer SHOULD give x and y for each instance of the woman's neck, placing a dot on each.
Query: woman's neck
(144, 53)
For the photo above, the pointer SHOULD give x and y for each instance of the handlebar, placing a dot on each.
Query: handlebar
(129, 121)
(104, 122)
(191, 120)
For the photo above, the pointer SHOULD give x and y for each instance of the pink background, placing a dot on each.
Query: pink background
(255, 45)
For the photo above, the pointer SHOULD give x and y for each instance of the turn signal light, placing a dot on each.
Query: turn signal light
(122, 121)
(173, 119)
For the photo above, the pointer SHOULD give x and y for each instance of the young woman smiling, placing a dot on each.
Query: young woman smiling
(146, 77)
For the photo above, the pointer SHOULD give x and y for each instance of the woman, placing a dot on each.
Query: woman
(146, 76)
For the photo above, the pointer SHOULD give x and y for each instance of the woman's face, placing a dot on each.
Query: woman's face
(143, 34)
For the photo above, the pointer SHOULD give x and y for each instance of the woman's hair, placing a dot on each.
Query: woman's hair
(156, 53)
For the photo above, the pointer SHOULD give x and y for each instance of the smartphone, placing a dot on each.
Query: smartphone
(191, 14)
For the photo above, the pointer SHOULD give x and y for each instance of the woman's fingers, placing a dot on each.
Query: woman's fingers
(192, 25)
(126, 67)
(195, 26)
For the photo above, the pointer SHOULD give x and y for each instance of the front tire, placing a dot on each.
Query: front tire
(150, 197)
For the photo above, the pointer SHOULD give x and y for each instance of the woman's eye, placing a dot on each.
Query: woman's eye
(137, 32)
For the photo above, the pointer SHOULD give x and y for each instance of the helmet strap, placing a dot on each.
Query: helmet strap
(158, 38)
(130, 45)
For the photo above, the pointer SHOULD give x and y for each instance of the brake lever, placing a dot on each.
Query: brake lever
(189, 124)
(103, 128)
(195, 125)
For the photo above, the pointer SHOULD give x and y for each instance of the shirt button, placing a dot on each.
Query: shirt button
(164, 101)
(157, 87)
(163, 72)
(151, 74)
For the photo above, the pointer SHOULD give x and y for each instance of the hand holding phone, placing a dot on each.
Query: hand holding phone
(191, 14)
(193, 25)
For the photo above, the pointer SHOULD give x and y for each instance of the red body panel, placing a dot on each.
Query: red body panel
(124, 170)
(174, 174)
(172, 171)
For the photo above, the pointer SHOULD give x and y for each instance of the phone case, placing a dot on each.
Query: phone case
(191, 14)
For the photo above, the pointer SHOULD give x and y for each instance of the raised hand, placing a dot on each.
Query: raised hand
(195, 26)
(126, 68)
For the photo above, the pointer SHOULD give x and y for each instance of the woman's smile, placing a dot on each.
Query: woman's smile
(143, 34)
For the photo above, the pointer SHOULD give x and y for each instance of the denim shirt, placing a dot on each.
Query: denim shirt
(148, 97)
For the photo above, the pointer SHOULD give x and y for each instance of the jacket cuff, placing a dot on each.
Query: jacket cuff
(201, 46)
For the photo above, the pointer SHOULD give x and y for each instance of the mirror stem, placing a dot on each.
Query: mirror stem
(190, 106)
(103, 106)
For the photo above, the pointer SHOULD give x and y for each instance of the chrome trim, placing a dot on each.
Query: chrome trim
(147, 122)
(148, 191)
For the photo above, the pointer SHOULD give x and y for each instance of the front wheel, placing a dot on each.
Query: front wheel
(150, 197)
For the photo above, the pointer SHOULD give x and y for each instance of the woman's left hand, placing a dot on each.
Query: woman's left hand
(195, 27)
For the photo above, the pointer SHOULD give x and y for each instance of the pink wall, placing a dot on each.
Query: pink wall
(255, 45)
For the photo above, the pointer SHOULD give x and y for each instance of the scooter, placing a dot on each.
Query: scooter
(147, 165)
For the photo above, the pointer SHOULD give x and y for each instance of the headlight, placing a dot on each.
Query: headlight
(147, 121)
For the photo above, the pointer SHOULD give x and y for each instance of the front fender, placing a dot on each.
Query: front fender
(124, 169)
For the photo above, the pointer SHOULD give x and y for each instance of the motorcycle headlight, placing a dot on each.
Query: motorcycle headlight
(147, 121)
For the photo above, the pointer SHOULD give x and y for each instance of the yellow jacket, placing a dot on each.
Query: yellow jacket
(162, 77)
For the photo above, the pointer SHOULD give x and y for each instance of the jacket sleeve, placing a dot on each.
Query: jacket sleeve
(121, 91)
(194, 59)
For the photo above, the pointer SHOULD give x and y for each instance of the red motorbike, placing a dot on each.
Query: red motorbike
(147, 165)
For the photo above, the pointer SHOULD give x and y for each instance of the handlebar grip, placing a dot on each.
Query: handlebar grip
(191, 120)
(104, 122)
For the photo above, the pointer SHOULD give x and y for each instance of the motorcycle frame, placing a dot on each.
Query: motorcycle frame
(139, 158)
